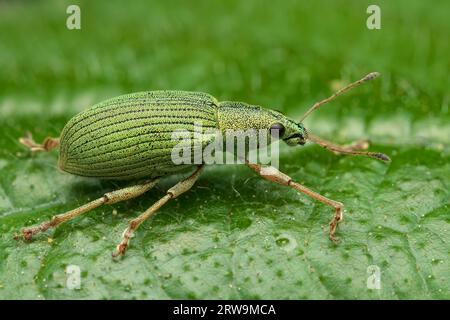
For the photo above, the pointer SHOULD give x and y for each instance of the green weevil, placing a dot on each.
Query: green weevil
(129, 138)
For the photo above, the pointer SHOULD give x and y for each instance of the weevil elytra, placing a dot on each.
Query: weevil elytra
(129, 138)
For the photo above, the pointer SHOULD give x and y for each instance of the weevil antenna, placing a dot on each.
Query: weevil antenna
(355, 84)
(354, 149)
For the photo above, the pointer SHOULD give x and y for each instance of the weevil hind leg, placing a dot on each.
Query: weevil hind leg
(48, 144)
(108, 198)
(172, 193)
(274, 175)
(352, 149)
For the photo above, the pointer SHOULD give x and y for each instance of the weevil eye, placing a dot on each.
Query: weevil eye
(277, 127)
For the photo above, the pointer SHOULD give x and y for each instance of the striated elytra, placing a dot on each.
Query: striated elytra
(130, 138)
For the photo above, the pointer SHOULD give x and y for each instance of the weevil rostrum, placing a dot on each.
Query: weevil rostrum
(129, 138)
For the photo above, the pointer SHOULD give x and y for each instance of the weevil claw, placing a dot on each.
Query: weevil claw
(335, 239)
(334, 223)
(27, 234)
(120, 250)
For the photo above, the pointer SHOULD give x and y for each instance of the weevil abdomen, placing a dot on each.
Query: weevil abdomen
(130, 136)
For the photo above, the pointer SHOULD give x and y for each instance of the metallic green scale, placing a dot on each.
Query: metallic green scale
(130, 136)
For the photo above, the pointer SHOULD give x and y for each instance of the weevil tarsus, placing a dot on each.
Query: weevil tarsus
(274, 175)
(108, 198)
(48, 144)
(181, 187)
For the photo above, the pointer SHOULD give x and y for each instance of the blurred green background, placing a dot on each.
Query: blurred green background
(234, 235)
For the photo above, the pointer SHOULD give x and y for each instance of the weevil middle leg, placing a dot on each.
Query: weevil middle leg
(108, 198)
(274, 175)
(172, 193)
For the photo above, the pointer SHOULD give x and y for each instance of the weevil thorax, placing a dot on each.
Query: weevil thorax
(243, 116)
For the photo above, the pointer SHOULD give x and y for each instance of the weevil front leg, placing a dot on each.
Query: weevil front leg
(108, 198)
(352, 149)
(48, 144)
(274, 175)
(172, 193)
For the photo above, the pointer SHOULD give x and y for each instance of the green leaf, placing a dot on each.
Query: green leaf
(234, 235)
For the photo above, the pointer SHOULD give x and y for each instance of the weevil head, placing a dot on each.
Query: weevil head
(293, 133)
(242, 116)
(297, 135)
